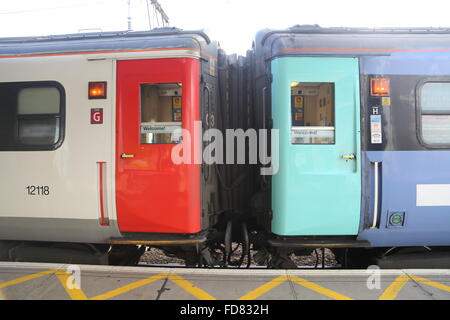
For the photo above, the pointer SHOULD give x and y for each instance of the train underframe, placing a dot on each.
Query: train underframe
(224, 251)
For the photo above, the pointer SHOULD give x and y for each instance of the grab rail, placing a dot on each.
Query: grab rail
(376, 195)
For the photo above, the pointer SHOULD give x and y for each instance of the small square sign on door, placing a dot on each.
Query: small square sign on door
(97, 116)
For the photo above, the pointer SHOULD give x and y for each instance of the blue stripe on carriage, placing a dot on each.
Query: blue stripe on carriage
(418, 63)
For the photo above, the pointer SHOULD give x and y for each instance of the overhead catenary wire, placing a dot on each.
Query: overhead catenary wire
(148, 15)
(161, 12)
(129, 15)
(156, 15)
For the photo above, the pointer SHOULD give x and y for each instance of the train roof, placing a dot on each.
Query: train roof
(160, 38)
(308, 39)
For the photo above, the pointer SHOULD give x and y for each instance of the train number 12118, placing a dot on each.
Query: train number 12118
(38, 190)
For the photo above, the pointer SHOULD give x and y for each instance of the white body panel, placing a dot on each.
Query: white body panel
(433, 195)
(70, 171)
(71, 212)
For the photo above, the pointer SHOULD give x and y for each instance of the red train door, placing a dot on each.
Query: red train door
(154, 98)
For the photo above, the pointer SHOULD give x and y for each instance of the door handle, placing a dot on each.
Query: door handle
(126, 156)
(349, 157)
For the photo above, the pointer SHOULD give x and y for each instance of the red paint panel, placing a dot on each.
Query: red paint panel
(152, 193)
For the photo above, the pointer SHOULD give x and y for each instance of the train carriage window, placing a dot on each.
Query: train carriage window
(31, 115)
(435, 113)
(312, 113)
(161, 106)
(43, 100)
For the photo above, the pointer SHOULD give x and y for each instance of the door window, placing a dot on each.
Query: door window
(312, 113)
(161, 113)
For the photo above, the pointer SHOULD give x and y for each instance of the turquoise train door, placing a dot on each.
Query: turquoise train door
(315, 106)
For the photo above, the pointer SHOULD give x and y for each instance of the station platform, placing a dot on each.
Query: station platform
(37, 281)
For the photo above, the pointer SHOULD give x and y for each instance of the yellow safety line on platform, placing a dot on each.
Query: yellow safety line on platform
(175, 278)
(390, 293)
(189, 287)
(130, 286)
(304, 283)
(26, 278)
(78, 294)
(394, 288)
(252, 295)
(74, 293)
(318, 288)
(431, 283)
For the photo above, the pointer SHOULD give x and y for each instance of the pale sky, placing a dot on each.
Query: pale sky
(232, 22)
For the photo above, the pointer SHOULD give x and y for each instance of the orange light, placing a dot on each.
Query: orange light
(97, 90)
(379, 86)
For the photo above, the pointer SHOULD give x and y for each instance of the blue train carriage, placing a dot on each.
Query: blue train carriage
(364, 136)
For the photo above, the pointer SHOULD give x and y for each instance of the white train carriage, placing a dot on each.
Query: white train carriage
(81, 156)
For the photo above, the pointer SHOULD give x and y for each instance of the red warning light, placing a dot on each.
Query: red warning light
(379, 86)
(97, 90)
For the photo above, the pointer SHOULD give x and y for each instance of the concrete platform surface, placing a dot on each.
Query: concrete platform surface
(37, 281)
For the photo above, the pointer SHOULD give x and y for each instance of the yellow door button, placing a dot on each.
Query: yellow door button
(349, 157)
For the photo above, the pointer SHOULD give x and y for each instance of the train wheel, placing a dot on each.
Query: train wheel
(125, 255)
(281, 260)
